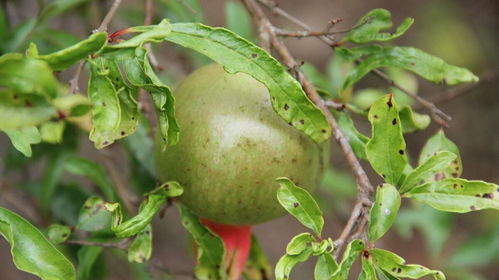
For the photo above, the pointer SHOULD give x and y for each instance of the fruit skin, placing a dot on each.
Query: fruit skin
(232, 148)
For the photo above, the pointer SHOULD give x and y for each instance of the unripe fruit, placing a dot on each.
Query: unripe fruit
(232, 148)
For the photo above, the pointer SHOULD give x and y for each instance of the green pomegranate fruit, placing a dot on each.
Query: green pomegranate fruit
(232, 148)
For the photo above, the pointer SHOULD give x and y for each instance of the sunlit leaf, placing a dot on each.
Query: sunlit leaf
(427, 66)
(210, 250)
(148, 209)
(27, 76)
(238, 55)
(368, 270)
(66, 57)
(58, 233)
(386, 149)
(31, 251)
(384, 211)
(457, 195)
(299, 243)
(412, 121)
(395, 265)
(299, 203)
(148, 33)
(353, 250)
(325, 267)
(23, 138)
(356, 139)
(370, 25)
(52, 132)
(433, 165)
(287, 262)
(437, 143)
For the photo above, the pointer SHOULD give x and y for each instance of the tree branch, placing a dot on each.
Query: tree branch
(438, 116)
(364, 187)
(109, 16)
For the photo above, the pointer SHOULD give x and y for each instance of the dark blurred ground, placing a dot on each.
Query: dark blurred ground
(464, 33)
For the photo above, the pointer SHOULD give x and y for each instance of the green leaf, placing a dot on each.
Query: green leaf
(93, 215)
(439, 142)
(415, 60)
(27, 76)
(148, 209)
(412, 121)
(115, 110)
(141, 248)
(17, 111)
(140, 73)
(238, 20)
(386, 149)
(356, 139)
(384, 211)
(299, 203)
(52, 132)
(457, 195)
(94, 172)
(299, 243)
(370, 25)
(23, 138)
(353, 250)
(31, 251)
(395, 266)
(64, 58)
(287, 262)
(257, 266)
(368, 270)
(337, 70)
(238, 55)
(325, 267)
(58, 233)
(87, 258)
(211, 250)
(435, 164)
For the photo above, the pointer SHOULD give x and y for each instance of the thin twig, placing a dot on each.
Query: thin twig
(123, 244)
(102, 27)
(109, 16)
(188, 7)
(438, 116)
(73, 83)
(364, 187)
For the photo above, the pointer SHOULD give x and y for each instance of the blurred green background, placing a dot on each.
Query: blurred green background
(464, 33)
